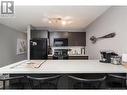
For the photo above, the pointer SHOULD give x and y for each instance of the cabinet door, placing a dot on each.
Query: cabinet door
(39, 34)
(77, 38)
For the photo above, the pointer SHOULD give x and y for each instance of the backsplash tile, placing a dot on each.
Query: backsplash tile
(75, 50)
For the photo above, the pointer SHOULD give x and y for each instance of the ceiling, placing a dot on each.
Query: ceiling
(81, 16)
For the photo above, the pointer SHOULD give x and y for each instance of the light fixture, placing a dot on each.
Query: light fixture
(50, 21)
(63, 22)
(58, 21)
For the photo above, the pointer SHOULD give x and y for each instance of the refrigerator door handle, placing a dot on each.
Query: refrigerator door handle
(34, 43)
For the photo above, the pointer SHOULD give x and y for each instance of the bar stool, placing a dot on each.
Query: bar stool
(43, 82)
(16, 85)
(87, 81)
(116, 81)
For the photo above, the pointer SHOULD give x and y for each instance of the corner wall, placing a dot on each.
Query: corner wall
(113, 20)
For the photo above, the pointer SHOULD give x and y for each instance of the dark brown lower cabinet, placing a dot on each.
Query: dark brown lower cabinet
(78, 57)
(72, 58)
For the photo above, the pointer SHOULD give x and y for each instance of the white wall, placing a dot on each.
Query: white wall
(8, 45)
(113, 20)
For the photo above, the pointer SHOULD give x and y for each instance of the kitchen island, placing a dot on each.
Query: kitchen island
(61, 66)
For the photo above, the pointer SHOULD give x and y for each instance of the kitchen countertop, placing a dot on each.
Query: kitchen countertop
(63, 66)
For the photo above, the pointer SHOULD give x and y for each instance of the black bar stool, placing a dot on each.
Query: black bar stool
(44, 81)
(16, 85)
(116, 81)
(87, 81)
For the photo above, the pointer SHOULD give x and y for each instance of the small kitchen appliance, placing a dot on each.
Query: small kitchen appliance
(106, 56)
(117, 60)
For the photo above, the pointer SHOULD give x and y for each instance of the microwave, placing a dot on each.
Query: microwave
(60, 42)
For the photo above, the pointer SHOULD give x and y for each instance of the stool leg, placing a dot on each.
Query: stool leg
(126, 81)
(123, 83)
(82, 86)
(31, 84)
(4, 84)
(39, 85)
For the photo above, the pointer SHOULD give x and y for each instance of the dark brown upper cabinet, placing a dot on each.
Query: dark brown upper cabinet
(39, 34)
(54, 35)
(77, 38)
(74, 38)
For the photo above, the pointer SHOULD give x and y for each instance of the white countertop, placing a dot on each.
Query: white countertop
(64, 66)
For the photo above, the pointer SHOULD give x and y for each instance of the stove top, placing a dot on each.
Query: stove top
(60, 54)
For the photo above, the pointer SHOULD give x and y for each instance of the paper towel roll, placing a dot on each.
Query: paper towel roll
(124, 58)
